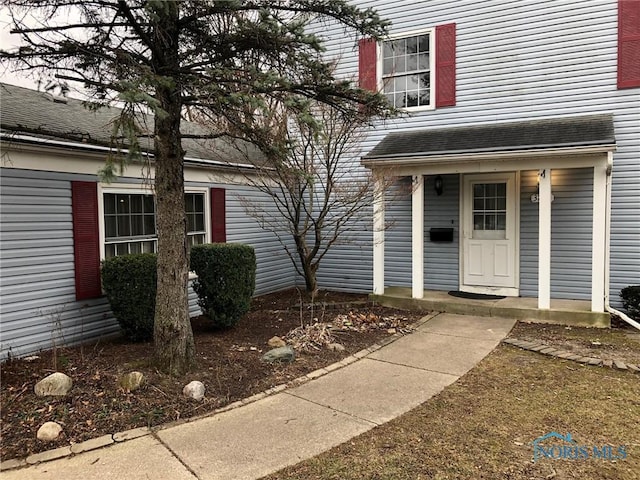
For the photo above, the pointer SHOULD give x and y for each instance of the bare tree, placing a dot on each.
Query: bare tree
(224, 61)
(316, 185)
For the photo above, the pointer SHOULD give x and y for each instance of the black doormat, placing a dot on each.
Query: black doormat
(475, 296)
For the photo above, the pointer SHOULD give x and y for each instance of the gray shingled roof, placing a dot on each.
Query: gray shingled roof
(587, 130)
(39, 114)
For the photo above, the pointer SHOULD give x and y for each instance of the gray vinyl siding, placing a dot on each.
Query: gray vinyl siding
(441, 265)
(526, 59)
(571, 234)
(37, 280)
(38, 308)
(397, 237)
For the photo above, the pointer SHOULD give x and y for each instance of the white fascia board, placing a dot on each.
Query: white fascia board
(452, 159)
(58, 157)
(11, 140)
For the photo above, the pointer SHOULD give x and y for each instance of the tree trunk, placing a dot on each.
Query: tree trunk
(173, 337)
(308, 267)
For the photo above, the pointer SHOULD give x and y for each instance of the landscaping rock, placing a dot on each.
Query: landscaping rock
(49, 431)
(194, 390)
(620, 365)
(336, 347)
(282, 354)
(131, 381)
(276, 342)
(57, 384)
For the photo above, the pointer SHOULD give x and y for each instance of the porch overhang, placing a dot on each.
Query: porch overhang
(567, 136)
(585, 141)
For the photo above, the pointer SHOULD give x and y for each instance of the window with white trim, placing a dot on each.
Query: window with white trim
(406, 71)
(130, 222)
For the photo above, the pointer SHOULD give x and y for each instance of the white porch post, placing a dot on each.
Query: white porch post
(417, 237)
(378, 238)
(544, 239)
(598, 254)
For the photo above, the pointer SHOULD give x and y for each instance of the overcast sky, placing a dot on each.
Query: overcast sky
(7, 41)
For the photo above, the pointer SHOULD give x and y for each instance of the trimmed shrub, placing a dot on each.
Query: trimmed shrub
(226, 280)
(631, 300)
(130, 284)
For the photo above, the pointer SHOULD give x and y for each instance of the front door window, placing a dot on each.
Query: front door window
(489, 211)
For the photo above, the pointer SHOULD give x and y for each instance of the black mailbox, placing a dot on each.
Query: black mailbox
(441, 234)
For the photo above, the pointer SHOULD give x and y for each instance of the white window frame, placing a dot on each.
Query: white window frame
(137, 189)
(432, 65)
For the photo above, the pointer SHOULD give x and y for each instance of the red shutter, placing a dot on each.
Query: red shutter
(368, 64)
(446, 65)
(86, 240)
(628, 43)
(218, 217)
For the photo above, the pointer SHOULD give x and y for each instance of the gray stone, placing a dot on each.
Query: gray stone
(620, 365)
(131, 381)
(336, 347)
(608, 363)
(131, 434)
(276, 342)
(13, 463)
(281, 354)
(633, 368)
(538, 348)
(92, 444)
(49, 455)
(194, 390)
(595, 361)
(57, 384)
(49, 431)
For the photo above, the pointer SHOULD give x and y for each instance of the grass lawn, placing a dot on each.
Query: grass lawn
(482, 426)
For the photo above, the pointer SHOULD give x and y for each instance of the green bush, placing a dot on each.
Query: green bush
(130, 284)
(226, 280)
(631, 300)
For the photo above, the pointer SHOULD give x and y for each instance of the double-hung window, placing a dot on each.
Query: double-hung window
(414, 70)
(130, 222)
(406, 71)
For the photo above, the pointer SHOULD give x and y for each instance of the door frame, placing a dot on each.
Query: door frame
(464, 206)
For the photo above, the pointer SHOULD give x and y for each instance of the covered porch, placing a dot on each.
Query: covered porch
(568, 312)
(492, 168)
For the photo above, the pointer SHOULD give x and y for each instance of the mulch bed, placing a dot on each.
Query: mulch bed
(228, 363)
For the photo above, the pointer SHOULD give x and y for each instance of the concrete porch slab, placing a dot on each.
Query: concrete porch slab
(563, 312)
(374, 391)
(260, 437)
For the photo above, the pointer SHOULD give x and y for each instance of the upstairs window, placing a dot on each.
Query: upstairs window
(414, 71)
(406, 71)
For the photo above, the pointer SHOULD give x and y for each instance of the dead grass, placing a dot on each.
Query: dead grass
(482, 426)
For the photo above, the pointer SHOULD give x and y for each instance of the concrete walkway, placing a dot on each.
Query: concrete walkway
(283, 429)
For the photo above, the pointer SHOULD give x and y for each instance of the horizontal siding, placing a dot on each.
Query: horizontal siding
(526, 59)
(38, 305)
(441, 265)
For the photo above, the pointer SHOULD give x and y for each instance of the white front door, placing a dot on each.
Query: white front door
(490, 234)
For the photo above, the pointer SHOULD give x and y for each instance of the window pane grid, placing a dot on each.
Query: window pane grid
(405, 71)
(490, 206)
(130, 223)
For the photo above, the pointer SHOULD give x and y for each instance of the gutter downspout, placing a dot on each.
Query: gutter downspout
(607, 251)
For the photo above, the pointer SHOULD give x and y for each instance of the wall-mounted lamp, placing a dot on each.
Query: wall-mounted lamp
(438, 185)
(535, 198)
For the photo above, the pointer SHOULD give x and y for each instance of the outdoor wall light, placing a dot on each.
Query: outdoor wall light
(438, 185)
(535, 198)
